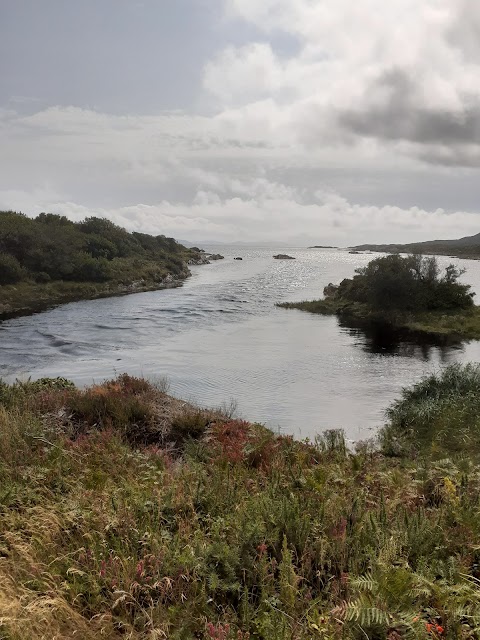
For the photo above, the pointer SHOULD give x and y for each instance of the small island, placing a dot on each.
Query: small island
(406, 293)
(283, 256)
(321, 246)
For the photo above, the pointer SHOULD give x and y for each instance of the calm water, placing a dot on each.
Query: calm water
(220, 338)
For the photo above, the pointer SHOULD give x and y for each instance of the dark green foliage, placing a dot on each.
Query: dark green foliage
(51, 247)
(10, 270)
(406, 284)
(407, 294)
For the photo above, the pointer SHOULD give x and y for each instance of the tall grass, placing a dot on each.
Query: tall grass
(221, 529)
(440, 415)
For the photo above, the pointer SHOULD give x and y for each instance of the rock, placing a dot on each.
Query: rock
(200, 259)
(215, 256)
(354, 252)
(238, 258)
(283, 256)
(330, 290)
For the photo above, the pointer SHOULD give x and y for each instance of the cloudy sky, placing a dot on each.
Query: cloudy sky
(300, 121)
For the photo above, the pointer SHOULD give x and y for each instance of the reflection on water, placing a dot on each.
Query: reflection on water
(388, 341)
(220, 337)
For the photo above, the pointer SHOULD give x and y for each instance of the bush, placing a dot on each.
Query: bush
(91, 269)
(441, 413)
(411, 284)
(42, 277)
(10, 270)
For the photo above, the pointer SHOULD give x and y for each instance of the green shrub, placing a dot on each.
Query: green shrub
(10, 270)
(88, 269)
(42, 277)
(412, 284)
(441, 413)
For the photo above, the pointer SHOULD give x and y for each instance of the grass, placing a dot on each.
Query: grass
(131, 276)
(460, 325)
(125, 513)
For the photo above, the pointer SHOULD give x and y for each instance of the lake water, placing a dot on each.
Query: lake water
(220, 338)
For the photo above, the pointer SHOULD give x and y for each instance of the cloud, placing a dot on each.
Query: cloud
(376, 101)
(393, 72)
(260, 211)
(396, 112)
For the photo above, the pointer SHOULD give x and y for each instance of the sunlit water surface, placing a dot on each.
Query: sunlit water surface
(220, 338)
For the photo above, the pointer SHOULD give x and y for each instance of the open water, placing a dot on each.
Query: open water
(220, 338)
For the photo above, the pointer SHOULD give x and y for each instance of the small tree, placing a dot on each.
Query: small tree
(412, 283)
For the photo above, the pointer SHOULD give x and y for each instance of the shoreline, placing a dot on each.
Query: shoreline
(90, 292)
(441, 327)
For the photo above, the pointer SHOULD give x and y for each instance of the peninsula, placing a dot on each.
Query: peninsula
(467, 247)
(49, 260)
(407, 293)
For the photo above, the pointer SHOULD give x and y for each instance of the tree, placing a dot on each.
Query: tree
(411, 283)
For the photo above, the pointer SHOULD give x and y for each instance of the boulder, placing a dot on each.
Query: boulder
(330, 290)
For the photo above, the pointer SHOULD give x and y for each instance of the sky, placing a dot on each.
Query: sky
(294, 121)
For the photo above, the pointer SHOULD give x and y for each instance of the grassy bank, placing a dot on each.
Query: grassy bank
(127, 514)
(464, 324)
(30, 297)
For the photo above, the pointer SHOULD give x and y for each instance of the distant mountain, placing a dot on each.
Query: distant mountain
(238, 243)
(467, 247)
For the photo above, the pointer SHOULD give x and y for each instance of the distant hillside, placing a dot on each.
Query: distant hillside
(467, 247)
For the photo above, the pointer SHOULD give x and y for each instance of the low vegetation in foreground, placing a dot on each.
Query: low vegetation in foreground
(127, 514)
(50, 259)
(409, 293)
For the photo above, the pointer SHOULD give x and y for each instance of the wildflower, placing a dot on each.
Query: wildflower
(139, 571)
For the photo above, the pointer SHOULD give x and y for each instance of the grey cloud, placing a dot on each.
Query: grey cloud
(401, 116)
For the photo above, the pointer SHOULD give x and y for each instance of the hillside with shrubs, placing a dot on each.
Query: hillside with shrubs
(50, 259)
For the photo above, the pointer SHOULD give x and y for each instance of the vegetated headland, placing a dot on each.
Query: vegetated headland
(48, 260)
(125, 513)
(467, 247)
(408, 293)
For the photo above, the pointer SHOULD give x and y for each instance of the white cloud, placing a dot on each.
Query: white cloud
(375, 100)
(265, 212)
(341, 81)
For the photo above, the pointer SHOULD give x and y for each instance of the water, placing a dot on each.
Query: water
(220, 338)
